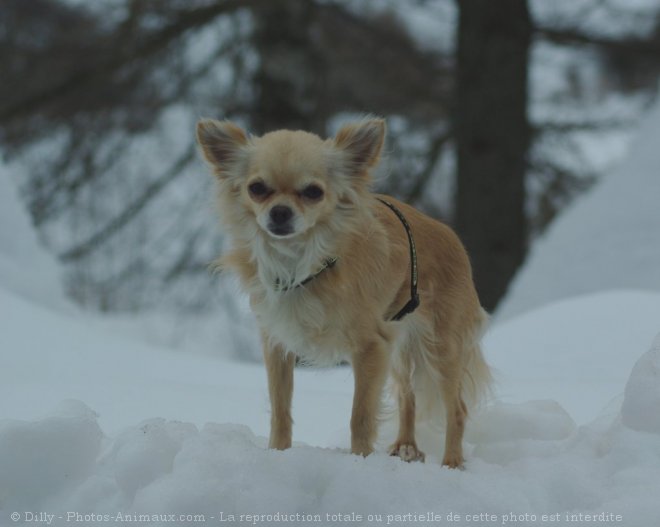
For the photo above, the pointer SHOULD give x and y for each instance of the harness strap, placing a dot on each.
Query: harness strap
(327, 264)
(413, 303)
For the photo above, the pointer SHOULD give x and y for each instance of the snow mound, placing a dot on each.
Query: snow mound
(576, 351)
(607, 240)
(39, 459)
(25, 266)
(143, 454)
(538, 420)
(505, 433)
(224, 472)
(641, 404)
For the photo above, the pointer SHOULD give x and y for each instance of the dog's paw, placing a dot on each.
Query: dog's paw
(361, 448)
(453, 461)
(407, 452)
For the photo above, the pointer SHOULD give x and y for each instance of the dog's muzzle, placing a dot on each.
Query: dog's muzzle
(280, 223)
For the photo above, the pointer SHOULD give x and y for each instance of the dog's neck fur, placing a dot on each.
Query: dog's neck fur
(287, 262)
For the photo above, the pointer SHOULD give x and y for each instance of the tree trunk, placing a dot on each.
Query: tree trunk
(290, 78)
(492, 135)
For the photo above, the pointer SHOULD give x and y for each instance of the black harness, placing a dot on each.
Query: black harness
(327, 264)
(413, 303)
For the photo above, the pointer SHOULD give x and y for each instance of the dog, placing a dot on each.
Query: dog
(328, 266)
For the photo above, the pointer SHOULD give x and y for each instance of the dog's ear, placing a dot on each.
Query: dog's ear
(362, 143)
(222, 143)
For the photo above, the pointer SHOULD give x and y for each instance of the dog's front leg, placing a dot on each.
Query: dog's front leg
(280, 388)
(370, 365)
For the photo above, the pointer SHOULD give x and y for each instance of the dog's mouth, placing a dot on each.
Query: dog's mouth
(281, 231)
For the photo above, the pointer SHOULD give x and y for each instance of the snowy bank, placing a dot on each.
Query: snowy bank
(577, 351)
(641, 405)
(57, 466)
(205, 455)
(608, 239)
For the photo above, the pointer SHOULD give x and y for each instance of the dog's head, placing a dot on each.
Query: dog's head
(287, 182)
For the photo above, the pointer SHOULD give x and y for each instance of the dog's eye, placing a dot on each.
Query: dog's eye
(312, 192)
(258, 189)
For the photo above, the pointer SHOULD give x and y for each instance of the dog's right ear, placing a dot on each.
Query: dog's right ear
(222, 143)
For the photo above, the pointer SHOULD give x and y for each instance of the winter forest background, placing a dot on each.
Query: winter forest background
(129, 374)
(499, 113)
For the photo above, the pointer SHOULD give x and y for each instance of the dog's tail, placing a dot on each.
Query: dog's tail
(476, 382)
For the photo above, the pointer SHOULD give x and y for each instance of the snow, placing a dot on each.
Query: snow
(642, 395)
(577, 351)
(125, 380)
(608, 239)
(25, 267)
(223, 471)
(41, 458)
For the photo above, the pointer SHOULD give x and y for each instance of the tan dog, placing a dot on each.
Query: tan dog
(327, 265)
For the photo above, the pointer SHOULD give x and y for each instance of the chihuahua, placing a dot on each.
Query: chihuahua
(332, 273)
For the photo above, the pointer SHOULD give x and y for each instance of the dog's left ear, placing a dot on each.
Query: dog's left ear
(362, 143)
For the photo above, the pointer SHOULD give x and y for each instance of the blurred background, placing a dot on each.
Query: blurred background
(500, 113)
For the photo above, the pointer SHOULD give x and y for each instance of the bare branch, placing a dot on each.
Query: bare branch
(432, 160)
(132, 210)
(104, 69)
(631, 46)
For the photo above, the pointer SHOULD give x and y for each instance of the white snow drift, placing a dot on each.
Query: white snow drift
(608, 239)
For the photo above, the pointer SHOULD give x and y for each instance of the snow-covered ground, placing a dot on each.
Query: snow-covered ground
(101, 428)
(204, 453)
(578, 352)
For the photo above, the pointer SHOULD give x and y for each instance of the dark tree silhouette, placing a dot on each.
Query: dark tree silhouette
(492, 135)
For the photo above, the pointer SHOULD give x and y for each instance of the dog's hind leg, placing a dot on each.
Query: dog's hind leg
(370, 365)
(456, 411)
(279, 366)
(466, 379)
(405, 445)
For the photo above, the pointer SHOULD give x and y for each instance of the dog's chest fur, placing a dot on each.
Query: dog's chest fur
(303, 325)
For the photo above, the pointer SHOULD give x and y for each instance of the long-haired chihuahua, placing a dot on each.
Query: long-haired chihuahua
(335, 273)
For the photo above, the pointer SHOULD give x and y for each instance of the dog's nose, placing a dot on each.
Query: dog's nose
(280, 214)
